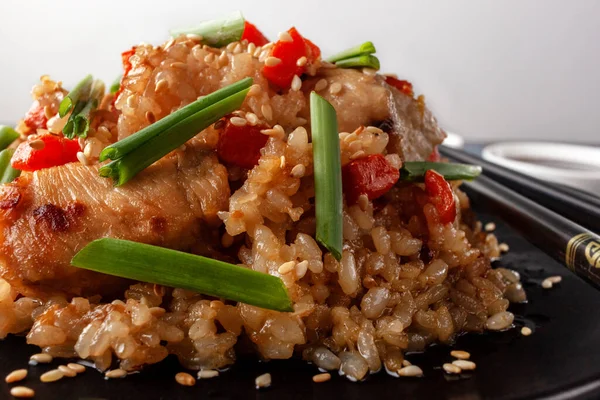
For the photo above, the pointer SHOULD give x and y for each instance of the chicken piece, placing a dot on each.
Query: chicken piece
(47, 216)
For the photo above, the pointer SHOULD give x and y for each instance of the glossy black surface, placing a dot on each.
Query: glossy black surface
(560, 360)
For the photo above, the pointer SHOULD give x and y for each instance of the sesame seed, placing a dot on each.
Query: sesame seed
(76, 367)
(320, 378)
(263, 55)
(157, 311)
(51, 376)
(301, 269)
(226, 240)
(363, 202)
(209, 58)
(263, 381)
(161, 85)
(490, 226)
(41, 358)
(251, 48)
(131, 101)
(464, 364)
(237, 49)
(411, 370)
(358, 154)
(547, 284)
(252, 119)
(335, 88)
(555, 279)
(301, 121)
(115, 373)
(298, 171)
(285, 37)
(451, 368)
(302, 61)
(503, 247)
(286, 267)
(406, 363)
(277, 132)
(16, 375)
(282, 162)
(223, 58)
(296, 83)
(194, 36)
(208, 374)
(185, 379)
(267, 111)
(48, 112)
(37, 144)
(461, 355)
(526, 331)
(369, 71)
(254, 90)
(68, 372)
(22, 392)
(374, 129)
(178, 64)
(231, 46)
(268, 45)
(150, 117)
(238, 121)
(321, 84)
(257, 52)
(272, 61)
(169, 43)
(394, 160)
(82, 158)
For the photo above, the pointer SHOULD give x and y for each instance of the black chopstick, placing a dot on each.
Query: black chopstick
(576, 205)
(562, 239)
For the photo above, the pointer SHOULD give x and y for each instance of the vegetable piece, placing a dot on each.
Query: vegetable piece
(79, 121)
(116, 85)
(360, 50)
(253, 35)
(7, 172)
(36, 117)
(79, 92)
(240, 145)
(56, 151)
(125, 168)
(414, 171)
(7, 136)
(404, 86)
(328, 174)
(441, 195)
(125, 56)
(132, 142)
(366, 61)
(281, 74)
(162, 266)
(371, 175)
(217, 32)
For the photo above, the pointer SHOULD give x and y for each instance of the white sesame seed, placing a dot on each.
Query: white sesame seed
(302, 61)
(76, 367)
(503, 247)
(178, 64)
(16, 375)
(358, 154)
(301, 121)
(194, 36)
(321, 84)
(209, 58)
(231, 46)
(363, 202)
(223, 58)
(461, 355)
(320, 378)
(374, 129)
(268, 45)
(296, 83)
(82, 158)
(237, 49)
(277, 132)
(451, 368)
(263, 55)
(208, 373)
(254, 90)
(547, 284)
(286, 267)
(37, 144)
(301, 269)
(161, 85)
(555, 279)
(272, 61)
(48, 112)
(51, 376)
(298, 171)
(465, 365)
(490, 226)
(22, 392)
(251, 48)
(252, 119)
(185, 379)
(238, 121)
(169, 43)
(411, 370)
(406, 363)
(369, 71)
(257, 52)
(335, 88)
(115, 373)
(131, 100)
(285, 37)
(526, 331)
(263, 381)
(41, 358)
(68, 372)
(282, 162)
(267, 112)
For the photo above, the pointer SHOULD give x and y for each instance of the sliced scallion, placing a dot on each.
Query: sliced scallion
(79, 121)
(218, 32)
(327, 174)
(172, 268)
(364, 61)
(414, 171)
(7, 172)
(80, 92)
(130, 143)
(7, 136)
(114, 88)
(125, 168)
(360, 50)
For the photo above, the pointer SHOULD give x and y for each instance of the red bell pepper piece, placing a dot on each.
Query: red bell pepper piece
(240, 145)
(126, 68)
(441, 195)
(281, 75)
(371, 175)
(404, 86)
(253, 35)
(36, 117)
(57, 151)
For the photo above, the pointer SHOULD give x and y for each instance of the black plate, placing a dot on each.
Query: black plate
(559, 361)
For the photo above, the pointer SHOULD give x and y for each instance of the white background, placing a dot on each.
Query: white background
(489, 69)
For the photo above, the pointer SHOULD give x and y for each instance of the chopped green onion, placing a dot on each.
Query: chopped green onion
(114, 88)
(217, 32)
(7, 172)
(360, 50)
(125, 168)
(172, 268)
(80, 92)
(414, 171)
(365, 61)
(130, 143)
(7, 136)
(79, 121)
(328, 174)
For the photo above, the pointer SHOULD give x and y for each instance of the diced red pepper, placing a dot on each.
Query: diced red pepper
(435, 155)
(281, 75)
(126, 68)
(371, 175)
(56, 151)
(253, 35)
(36, 117)
(441, 195)
(404, 86)
(240, 145)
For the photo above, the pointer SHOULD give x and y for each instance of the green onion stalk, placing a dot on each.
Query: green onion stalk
(217, 32)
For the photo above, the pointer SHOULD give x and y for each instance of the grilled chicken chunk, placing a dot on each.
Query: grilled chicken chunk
(49, 215)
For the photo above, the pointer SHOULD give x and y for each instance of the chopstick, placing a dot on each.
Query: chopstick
(562, 239)
(574, 204)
